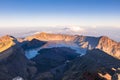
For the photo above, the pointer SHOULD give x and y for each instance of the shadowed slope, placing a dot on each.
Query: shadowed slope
(95, 65)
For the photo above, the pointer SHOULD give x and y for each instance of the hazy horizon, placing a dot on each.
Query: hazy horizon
(71, 30)
(85, 17)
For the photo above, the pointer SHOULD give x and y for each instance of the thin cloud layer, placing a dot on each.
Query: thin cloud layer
(74, 29)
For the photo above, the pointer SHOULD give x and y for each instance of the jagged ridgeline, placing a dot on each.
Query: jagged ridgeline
(47, 56)
(6, 42)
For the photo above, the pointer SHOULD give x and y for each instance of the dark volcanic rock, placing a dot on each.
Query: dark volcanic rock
(92, 66)
(53, 57)
(34, 43)
(13, 64)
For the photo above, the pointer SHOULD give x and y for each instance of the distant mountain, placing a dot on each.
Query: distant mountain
(51, 37)
(47, 56)
(83, 42)
(77, 42)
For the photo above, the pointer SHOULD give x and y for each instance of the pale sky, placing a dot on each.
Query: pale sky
(14, 13)
(87, 16)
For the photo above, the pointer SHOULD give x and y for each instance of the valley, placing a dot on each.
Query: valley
(47, 56)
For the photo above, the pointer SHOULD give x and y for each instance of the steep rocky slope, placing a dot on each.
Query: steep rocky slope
(95, 65)
(57, 58)
(109, 46)
(13, 63)
(6, 42)
(50, 62)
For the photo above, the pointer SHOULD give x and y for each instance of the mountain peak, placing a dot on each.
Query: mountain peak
(6, 37)
(6, 42)
(109, 46)
(105, 38)
(42, 33)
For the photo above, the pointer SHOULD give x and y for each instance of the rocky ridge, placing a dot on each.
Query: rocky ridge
(85, 42)
(59, 63)
(6, 42)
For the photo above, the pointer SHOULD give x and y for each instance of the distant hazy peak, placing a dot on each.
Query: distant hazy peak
(52, 34)
(51, 37)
